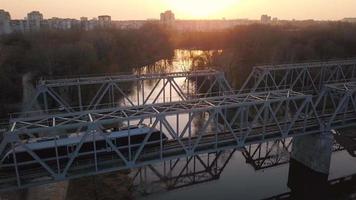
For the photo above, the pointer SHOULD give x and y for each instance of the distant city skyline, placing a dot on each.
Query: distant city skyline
(185, 9)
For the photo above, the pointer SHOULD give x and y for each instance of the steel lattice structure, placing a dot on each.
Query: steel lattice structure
(88, 93)
(201, 116)
(273, 153)
(180, 172)
(338, 101)
(334, 90)
(256, 117)
(302, 77)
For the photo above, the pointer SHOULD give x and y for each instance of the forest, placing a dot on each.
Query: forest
(76, 52)
(247, 46)
(69, 53)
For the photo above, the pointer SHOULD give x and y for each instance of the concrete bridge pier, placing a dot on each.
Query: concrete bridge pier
(309, 166)
(314, 151)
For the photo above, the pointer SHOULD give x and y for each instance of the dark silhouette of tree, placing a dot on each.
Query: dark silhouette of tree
(53, 53)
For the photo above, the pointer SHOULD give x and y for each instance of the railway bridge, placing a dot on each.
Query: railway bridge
(193, 113)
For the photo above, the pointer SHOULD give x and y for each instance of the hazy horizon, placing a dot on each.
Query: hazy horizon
(185, 9)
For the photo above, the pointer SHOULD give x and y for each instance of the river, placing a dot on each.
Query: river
(239, 179)
(239, 174)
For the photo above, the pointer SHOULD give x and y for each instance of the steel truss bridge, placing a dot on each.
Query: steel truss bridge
(308, 78)
(202, 117)
(90, 93)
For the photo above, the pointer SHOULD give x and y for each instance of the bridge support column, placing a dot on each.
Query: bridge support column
(313, 151)
(306, 183)
(309, 166)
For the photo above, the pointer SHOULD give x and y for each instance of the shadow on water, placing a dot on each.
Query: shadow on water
(308, 184)
(197, 176)
(280, 177)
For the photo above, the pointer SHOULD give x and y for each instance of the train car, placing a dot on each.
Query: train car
(52, 148)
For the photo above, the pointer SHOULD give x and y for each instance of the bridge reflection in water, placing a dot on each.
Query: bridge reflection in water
(274, 153)
(181, 172)
(303, 182)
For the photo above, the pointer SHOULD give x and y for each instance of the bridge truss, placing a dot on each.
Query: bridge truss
(307, 78)
(206, 128)
(194, 112)
(89, 93)
(338, 101)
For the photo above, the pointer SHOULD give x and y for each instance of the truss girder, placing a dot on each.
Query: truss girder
(34, 123)
(260, 117)
(337, 103)
(303, 77)
(90, 93)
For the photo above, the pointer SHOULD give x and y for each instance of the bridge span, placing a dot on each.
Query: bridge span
(256, 117)
(208, 119)
(89, 93)
(308, 78)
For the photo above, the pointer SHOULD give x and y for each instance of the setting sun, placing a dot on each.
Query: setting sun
(201, 8)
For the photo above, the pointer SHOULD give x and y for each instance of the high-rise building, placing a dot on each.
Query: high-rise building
(62, 24)
(18, 25)
(5, 19)
(93, 23)
(168, 18)
(104, 21)
(84, 23)
(349, 19)
(34, 20)
(265, 19)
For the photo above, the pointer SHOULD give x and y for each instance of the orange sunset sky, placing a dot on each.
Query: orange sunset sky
(185, 9)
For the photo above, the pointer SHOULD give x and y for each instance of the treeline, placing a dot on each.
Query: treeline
(247, 46)
(70, 53)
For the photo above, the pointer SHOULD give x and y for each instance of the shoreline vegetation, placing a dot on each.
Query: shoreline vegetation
(247, 46)
(103, 51)
(75, 52)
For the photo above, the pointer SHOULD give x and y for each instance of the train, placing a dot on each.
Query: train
(49, 149)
